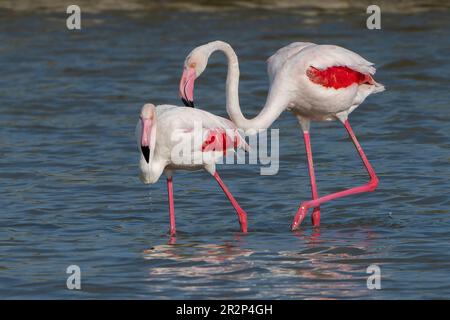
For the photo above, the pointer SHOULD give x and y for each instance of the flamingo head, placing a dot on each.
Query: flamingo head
(194, 65)
(148, 120)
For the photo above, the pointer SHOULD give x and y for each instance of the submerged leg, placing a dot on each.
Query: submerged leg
(315, 217)
(242, 216)
(370, 186)
(171, 206)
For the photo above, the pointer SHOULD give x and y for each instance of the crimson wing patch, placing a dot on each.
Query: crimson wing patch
(221, 140)
(338, 77)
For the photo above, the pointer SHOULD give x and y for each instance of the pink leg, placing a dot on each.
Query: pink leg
(242, 216)
(315, 217)
(370, 186)
(171, 206)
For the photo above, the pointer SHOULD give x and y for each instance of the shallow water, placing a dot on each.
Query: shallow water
(69, 102)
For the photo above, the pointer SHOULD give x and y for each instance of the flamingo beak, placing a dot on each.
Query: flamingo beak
(145, 138)
(146, 153)
(187, 87)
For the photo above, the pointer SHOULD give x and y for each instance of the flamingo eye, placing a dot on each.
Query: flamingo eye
(192, 65)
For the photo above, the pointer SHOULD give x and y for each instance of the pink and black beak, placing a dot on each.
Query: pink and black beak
(145, 138)
(187, 87)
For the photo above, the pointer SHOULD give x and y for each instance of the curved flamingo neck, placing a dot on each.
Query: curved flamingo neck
(272, 108)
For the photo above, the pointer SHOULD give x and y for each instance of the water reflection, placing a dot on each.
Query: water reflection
(200, 260)
(294, 273)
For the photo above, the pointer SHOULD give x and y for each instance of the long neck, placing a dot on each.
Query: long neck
(272, 109)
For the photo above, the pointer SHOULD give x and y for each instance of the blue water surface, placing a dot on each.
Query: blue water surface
(70, 193)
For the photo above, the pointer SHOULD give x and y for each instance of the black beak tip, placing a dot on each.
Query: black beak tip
(146, 152)
(188, 103)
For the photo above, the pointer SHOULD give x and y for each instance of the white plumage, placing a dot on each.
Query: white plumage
(175, 129)
(311, 101)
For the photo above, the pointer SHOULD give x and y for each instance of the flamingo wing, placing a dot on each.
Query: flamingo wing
(277, 60)
(218, 134)
(336, 67)
(219, 139)
(338, 77)
(327, 79)
(326, 56)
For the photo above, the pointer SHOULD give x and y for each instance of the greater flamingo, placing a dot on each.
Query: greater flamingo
(314, 82)
(165, 132)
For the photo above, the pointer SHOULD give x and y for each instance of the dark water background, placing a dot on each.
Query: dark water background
(70, 193)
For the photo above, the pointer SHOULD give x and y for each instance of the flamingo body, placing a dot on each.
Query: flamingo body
(173, 122)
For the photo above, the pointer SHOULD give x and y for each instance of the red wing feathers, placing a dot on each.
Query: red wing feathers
(221, 140)
(338, 77)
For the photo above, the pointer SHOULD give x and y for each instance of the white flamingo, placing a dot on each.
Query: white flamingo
(168, 140)
(314, 82)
